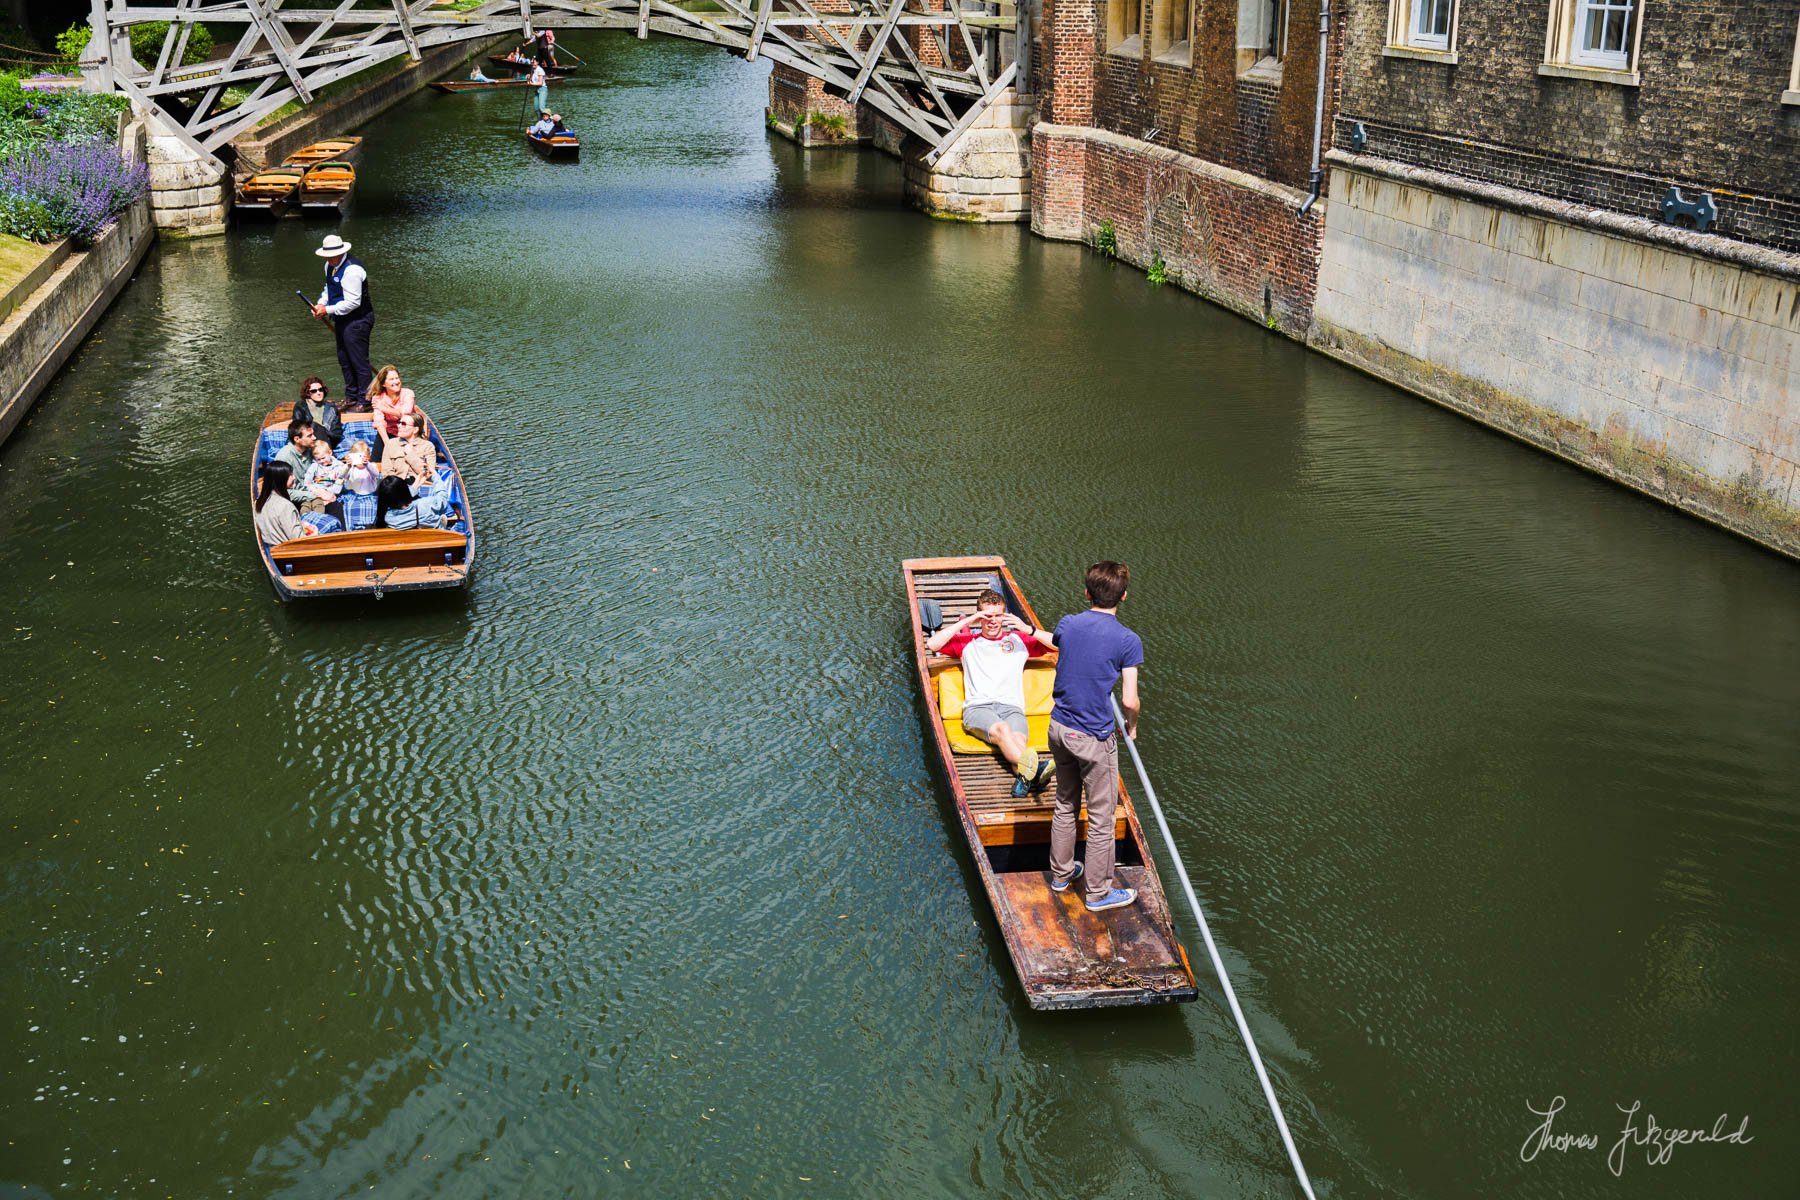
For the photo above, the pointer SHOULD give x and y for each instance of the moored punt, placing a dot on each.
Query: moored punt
(268, 193)
(555, 145)
(486, 85)
(523, 65)
(326, 151)
(1065, 956)
(362, 560)
(326, 188)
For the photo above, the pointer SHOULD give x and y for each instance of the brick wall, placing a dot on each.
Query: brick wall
(1706, 115)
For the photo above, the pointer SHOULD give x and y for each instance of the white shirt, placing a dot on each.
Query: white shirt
(354, 275)
(537, 75)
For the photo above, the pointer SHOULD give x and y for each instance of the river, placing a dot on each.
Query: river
(629, 873)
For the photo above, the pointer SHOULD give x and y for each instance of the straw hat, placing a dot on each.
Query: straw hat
(334, 246)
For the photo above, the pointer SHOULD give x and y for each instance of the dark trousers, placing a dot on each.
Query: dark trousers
(353, 354)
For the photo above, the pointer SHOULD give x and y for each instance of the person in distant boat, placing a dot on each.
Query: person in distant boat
(390, 399)
(397, 508)
(544, 47)
(349, 307)
(994, 646)
(312, 406)
(477, 75)
(1094, 652)
(543, 126)
(409, 454)
(541, 81)
(277, 520)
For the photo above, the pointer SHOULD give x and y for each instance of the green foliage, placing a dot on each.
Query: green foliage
(1158, 274)
(837, 125)
(771, 120)
(12, 96)
(1106, 239)
(70, 43)
(26, 217)
(147, 43)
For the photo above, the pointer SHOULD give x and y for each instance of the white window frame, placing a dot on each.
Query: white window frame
(1562, 40)
(1587, 12)
(1792, 95)
(1418, 36)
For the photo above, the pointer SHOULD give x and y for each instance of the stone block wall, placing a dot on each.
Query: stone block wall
(1706, 111)
(986, 174)
(188, 190)
(1632, 349)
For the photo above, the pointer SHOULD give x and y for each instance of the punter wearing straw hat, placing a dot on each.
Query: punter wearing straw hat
(347, 306)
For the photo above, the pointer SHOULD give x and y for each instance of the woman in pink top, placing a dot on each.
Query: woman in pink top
(391, 400)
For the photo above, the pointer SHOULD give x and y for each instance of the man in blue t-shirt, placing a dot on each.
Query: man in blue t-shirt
(1094, 652)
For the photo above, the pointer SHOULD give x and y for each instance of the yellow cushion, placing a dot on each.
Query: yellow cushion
(1039, 678)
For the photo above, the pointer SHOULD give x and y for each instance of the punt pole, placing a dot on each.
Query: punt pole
(1212, 950)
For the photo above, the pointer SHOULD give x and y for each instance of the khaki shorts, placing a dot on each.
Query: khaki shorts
(977, 719)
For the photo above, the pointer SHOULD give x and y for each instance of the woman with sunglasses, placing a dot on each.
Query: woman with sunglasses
(312, 406)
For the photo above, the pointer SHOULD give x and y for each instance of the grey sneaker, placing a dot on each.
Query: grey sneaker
(1117, 898)
(1064, 885)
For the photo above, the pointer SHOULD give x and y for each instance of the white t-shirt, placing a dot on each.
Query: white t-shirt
(994, 668)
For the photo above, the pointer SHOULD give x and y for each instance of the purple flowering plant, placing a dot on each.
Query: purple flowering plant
(75, 187)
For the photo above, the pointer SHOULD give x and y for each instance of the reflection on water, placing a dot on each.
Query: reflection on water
(634, 853)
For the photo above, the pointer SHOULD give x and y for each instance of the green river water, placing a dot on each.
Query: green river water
(629, 871)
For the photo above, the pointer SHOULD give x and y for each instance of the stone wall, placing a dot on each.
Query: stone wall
(1703, 109)
(40, 336)
(986, 173)
(1664, 359)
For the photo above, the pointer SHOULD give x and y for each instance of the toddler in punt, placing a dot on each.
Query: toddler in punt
(359, 475)
(324, 479)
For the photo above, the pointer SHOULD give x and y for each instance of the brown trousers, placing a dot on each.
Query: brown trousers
(1082, 759)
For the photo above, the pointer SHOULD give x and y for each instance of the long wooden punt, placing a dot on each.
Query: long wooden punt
(523, 65)
(268, 193)
(365, 562)
(488, 85)
(326, 151)
(1065, 956)
(325, 189)
(555, 145)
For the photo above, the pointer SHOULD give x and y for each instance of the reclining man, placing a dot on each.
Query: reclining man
(994, 646)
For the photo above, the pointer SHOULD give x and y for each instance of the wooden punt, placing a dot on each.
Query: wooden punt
(325, 189)
(366, 562)
(1064, 955)
(487, 85)
(555, 145)
(523, 65)
(326, 151)
(268, 193)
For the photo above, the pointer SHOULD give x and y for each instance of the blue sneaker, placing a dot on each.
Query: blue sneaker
(1064, 885)
(1117, 898)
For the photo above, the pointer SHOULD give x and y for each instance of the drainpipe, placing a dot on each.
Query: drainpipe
(1318, 176)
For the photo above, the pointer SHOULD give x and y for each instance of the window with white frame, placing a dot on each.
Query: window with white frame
(1598, 35)
(1262, 36)
(1428, 25)
(1124, 26)
(1603, 34)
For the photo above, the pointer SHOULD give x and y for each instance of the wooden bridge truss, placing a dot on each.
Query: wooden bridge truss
(932, 66)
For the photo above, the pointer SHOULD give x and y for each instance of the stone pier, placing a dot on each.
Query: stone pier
(986, 174)
(189, 191)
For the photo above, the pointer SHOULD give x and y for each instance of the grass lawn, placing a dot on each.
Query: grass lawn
(17, 257)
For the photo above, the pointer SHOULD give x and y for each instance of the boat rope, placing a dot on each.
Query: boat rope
(1237, 1012)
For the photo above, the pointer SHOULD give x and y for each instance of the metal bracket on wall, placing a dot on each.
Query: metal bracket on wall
(1703, 212)
(1359, 137)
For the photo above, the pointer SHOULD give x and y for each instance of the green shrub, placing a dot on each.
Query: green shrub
(147, 43)
(1106, 239)
(1158, 274)
(25, 217)
(70, 43)
(12, 96)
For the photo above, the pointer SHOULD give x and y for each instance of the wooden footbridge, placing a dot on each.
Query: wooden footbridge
(932, 66)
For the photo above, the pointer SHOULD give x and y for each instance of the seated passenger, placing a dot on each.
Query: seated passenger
(319, 488)
(994, 646)
(297, 454)
(360, 476)
(312, 406)
(544, 126)
(277, 520)
(477, 75)
(388, 397)
(409, 455)
(397, 508)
